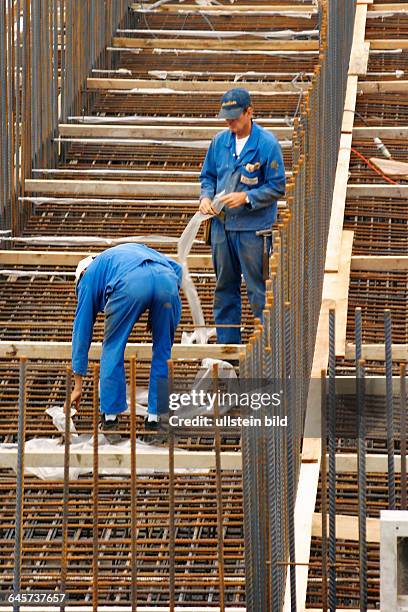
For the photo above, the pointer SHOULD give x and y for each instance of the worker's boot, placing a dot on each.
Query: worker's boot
(109, 427)
(155, 432)
(108, 424)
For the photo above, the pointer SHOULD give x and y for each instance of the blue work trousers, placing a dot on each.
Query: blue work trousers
(151, 286)
(236, 252)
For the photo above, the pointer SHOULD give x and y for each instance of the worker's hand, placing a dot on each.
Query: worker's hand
(76, 394)
(205, 207)
(234, 199)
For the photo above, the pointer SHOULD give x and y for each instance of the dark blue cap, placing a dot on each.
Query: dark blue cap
(233, 103)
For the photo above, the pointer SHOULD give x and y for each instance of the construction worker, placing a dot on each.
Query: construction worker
(124, 282)
(246, 162)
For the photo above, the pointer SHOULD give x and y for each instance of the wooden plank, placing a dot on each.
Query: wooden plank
(304, 511)
(350, 104)
(119, 458)
(378, 191)
(346, 463)
(64, 258)
(113, 188)
(376, 352)
(338, 206)
(398, 170)
(383, 131)
(216, 45)
(196, 87)
(62, 350)
(359, 49)
(162, 132)
(336, 288)
(367, 87)
(347, 528)
(359, 60)
(384, 44)
(310, 466)
(173, 7)
(379, 262)
(393, 6)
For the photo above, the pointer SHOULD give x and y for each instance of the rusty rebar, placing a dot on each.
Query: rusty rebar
(95, 490)
(65, 512)
(133, 480)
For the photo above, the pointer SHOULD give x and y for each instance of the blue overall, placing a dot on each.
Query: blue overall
(236, 249)
(124, 282)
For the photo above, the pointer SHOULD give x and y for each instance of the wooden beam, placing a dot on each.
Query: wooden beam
(346, 463)
(162, 132)
(217, 45)
(375, 385)
(390, 43)
(377, 191)
(336, 288)
(349, 105)
(379, 263)
(55, 351)
(394, 6)
(196, 87)
(261, 8)
(64, 258)
(119, 458)
(367, 87)
(347, 528)
(113, 188)
(359, 49)
(376, 352)
(339, 203)
(383, 131)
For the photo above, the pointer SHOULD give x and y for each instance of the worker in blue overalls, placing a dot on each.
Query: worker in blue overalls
(124, 282)
(246, 162)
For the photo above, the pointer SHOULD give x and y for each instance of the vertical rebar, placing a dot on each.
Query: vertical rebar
(332, 463)
(362, 484)
(133, 484)
(218, 475)
(403, 434)
(172, 505)
(18, 545)
(389, 408)
(65, 500)
(358, 334)
(95, 490)
(290, 407)
(323, 471)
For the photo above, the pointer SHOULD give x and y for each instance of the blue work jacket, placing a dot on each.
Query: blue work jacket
(258, 170)
(96, 285)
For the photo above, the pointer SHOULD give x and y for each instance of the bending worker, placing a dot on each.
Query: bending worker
(246, 161)
(124, 282)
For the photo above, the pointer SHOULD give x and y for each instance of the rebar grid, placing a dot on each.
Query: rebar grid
(278, 349)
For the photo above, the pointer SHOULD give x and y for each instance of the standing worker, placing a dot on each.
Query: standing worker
(246, 162)
(124, 282)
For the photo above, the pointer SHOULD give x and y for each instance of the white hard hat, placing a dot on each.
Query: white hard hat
(82, 266)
